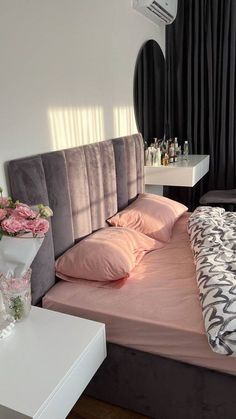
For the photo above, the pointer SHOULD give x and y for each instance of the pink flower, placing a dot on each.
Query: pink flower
(4, 201)
(18, 219)
(14, 225)
(10, 211)
(24, 211)
(3, 214)
(38, 226)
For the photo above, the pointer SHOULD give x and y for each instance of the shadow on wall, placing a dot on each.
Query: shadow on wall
(71, 127)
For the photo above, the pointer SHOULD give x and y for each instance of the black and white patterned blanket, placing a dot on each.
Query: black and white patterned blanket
(213, 240)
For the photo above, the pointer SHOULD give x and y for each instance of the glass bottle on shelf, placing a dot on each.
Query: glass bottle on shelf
(171, 153)
(165, 160)
(176, 150)
(186, 149)
(157, 157)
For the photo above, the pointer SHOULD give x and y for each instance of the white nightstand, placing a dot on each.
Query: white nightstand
(46, 363)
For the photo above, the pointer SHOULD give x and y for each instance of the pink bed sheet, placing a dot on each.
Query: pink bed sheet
(155, 310)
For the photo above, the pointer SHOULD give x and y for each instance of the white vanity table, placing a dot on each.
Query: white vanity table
(182, 173)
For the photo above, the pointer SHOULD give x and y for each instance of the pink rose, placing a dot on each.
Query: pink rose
(24, 211)
(4, 201)
(14, 225)
(37, 226)
(10, 211)
(3, 214)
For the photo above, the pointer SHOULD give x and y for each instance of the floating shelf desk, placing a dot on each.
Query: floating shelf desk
(182, 173)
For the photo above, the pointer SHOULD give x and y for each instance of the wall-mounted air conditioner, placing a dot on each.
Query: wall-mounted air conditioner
(157, 10)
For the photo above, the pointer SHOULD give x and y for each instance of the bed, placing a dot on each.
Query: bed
(161, 365)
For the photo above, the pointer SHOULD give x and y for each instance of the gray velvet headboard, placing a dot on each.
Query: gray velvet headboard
(83, 186)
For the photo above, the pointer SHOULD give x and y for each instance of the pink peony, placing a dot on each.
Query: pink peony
(4, 201)
(10, 211)
(18, 219)
(24, 211)
(14, 225)
(38, 226)
(3, 214)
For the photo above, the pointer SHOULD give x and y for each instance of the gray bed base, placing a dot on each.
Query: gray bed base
(162, 388)
(84, 186)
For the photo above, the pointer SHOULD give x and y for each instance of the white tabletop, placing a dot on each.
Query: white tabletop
(182, 173)
(40, 355)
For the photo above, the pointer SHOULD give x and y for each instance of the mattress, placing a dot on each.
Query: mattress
(155, 310)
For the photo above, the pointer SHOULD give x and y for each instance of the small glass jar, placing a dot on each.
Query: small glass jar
(16, 294)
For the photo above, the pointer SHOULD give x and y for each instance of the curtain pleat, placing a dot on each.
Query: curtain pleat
(200, 83)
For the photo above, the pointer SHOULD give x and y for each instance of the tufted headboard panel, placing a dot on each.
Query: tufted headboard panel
(83, 186)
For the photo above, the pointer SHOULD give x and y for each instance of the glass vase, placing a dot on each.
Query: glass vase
(16, 294)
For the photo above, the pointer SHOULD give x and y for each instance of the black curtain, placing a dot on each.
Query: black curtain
(200, 89)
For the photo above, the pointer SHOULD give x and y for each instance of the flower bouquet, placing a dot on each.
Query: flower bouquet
(22, 231)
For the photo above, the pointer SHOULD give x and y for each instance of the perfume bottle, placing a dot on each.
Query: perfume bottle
(157, 157)
(185, 150)
(176, 149)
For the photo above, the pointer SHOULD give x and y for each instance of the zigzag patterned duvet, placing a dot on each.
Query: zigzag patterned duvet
(213, 240)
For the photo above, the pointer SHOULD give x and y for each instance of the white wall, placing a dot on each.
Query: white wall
(66, 72)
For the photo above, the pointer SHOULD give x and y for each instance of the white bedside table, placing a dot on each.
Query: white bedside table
(46, 363)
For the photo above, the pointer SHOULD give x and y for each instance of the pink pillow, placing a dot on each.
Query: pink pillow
(150, 214)
(108, 254)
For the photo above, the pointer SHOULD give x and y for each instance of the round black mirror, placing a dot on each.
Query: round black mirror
(149, 91)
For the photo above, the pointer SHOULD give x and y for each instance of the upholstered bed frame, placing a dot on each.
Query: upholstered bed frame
(84, 186)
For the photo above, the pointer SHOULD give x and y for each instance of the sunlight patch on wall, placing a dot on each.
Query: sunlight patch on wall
(124, 121)
(71, 127)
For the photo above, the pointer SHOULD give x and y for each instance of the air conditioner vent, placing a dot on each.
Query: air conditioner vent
(157, 10)
(161, 12)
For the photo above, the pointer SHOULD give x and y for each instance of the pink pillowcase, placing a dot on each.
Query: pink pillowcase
(150, 214)
(108, 254)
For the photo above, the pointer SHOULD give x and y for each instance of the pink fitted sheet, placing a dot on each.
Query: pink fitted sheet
(155, 310)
